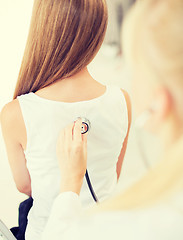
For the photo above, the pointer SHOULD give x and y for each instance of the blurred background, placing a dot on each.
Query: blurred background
(107, 68)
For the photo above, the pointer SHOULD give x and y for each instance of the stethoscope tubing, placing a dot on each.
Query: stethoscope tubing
(90, 186)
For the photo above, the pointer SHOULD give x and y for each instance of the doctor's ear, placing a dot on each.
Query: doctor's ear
(161, 107)
(162, 104)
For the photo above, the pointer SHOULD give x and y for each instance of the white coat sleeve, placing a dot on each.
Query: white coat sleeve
(65, 210)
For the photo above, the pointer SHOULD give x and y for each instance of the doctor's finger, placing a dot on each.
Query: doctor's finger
(68, 134)
(77, 136)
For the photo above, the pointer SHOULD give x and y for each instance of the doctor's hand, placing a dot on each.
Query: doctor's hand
(72, 157)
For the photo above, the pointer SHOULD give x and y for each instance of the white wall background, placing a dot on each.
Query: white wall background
(14, 23)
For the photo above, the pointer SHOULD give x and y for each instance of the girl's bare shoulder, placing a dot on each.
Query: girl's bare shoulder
(12, 121)
(10, 112)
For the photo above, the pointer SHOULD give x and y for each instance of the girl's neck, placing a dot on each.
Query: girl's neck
(80, 87)
(83, 77)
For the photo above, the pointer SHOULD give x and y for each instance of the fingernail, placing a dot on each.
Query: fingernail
(79, 120)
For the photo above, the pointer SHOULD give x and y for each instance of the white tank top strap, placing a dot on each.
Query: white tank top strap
(116, 93)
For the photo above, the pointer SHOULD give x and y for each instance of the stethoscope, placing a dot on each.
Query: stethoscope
(86, 125)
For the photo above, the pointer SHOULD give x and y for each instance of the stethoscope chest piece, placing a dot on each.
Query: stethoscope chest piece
(86, 125)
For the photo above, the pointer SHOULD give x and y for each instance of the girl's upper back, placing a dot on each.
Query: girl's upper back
(45, 118)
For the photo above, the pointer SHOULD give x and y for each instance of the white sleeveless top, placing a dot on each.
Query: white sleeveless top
(44, 119)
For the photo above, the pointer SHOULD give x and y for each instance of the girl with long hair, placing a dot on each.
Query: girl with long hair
(54, 88)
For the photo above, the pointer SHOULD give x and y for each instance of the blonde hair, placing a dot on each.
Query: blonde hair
(157, 23)
(152, 39)
(64, 37)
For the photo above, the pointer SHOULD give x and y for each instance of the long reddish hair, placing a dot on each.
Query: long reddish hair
(64, 37)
